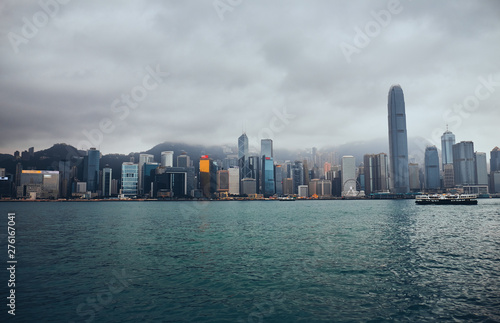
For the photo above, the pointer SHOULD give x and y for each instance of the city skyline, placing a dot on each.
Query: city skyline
(268, 69)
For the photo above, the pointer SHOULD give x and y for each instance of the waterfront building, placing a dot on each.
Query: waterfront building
(130, 179)
(91, 169)
(398, 141)
(494, 167)
(167, 159)
(448, 176)
(447, 142)
(297, 175)
(208, 171)
(248, 186)
(174, 182)
(64, 178)
(432, 180)
(463, 163)
(183, 160)
(107, 177)
(143, 158)
(266, 153)
(234, 181)
(223, 180)
(414, 177)
(278, 179)
(303, 191)
(481, 168)
(376, 173)
(288, 186)
(148, 177)
(39, 184)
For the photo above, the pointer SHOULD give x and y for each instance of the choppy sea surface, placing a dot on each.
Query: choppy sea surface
(253, 261)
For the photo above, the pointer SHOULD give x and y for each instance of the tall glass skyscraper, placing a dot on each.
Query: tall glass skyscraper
(447, 142)
(266, 152)
(432, 180)
(242, 146)
(398, 142)
(130, 178)
(463, 163)
(91, 169)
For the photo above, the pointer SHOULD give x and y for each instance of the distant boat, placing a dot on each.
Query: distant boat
(445, 199)
(287, 198)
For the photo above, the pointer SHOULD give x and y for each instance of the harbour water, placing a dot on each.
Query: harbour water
(254, 261)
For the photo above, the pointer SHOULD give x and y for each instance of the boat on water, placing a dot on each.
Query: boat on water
(445, 199)
(286, 198)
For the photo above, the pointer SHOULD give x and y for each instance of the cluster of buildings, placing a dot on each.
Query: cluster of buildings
(458, 169)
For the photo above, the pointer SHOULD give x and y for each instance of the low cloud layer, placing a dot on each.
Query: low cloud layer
(306, 74)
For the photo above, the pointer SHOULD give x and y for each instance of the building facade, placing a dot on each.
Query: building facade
(398, 141)
(130, 179)
(432, 179)
(463, 163)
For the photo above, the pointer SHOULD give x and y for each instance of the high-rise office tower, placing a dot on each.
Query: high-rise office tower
(447, 142)
(349, 176)
(266, 152)
(463, 163)
(495, 160)
(297, 175)
(376, 173)
(167, 159)
(495, 170)
(143, 158)
(91, 169)
(266, 147)
(398, 142)
(432, 180)
(481, 168)
(242, 146)
(243, 156)
(234, 181)
(208, 180)
(148, 177)
(278, 179)
(183, 160)
(448, 176)
(64, 178)
(107, 177)
(130, 176)
(414, 175)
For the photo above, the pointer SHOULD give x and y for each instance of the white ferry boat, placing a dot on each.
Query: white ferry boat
(444, 199)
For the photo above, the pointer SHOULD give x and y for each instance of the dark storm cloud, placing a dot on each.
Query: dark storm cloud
(228, 75)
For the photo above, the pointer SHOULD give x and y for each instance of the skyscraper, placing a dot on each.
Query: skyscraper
(143, 158)
(91, 169)
(495, 160)
(130, 173)
(495, 170)
(106, 181)
(243, 161)
(481, 168)
(398, 142)
(268, 185)
(167, 159)
(447, 142)
(183, 160)
(432, 181)
(242, 146)
(463, 163)
(376, 171)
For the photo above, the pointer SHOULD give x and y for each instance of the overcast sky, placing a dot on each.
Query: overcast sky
(305, 73)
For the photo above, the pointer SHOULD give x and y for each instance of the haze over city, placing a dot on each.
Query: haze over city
(314, 74)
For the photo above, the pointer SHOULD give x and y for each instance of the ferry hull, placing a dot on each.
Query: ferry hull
(446, 202)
